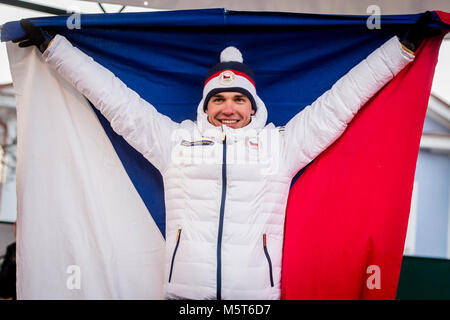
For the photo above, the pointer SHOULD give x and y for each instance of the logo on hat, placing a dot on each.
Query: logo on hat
(226, 78)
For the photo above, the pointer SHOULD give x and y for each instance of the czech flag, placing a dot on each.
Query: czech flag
(91, 215)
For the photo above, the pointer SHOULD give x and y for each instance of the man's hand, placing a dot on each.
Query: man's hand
(34, 36)
(417, 32)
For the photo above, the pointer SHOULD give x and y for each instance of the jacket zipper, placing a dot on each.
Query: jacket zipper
(174, 253)
(268, 259)
(222, 211)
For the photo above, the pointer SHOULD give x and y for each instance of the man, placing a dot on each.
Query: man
(227, 175)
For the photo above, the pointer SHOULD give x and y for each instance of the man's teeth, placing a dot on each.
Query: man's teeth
(229, 121)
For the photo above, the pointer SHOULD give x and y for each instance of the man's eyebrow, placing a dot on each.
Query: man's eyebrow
(239, 95)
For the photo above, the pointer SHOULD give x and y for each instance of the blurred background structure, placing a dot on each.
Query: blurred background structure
(426, 265)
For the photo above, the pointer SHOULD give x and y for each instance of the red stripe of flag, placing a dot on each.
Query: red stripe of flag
(347, 215)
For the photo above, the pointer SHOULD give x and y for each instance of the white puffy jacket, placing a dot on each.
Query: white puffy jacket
(226, 198)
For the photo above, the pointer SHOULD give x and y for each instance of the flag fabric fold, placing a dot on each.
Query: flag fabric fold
(91, 214)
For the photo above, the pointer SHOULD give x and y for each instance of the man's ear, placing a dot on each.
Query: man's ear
(253, 112)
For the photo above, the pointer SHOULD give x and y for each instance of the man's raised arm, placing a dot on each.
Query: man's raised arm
(318, 125)
(146, 130)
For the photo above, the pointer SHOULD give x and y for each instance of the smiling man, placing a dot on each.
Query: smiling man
(232, 109)
(225, 210)
(229, 91)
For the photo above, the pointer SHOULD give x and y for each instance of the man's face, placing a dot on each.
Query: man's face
(232, 109)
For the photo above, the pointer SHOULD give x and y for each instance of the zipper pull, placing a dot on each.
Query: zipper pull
(264, 240)
(224, 136)
(178, 234)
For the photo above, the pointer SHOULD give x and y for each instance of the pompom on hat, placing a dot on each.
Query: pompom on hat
(230, 74)
(231, 54)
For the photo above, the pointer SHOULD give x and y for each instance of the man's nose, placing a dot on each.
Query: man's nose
(229, 107)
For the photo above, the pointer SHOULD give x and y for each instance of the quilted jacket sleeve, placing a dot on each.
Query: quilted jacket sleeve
(318, 125)
(146, 130)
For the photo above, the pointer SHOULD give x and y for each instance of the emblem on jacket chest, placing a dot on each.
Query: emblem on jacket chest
(202, 142)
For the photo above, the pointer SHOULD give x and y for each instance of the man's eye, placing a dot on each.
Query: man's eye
(217, 99)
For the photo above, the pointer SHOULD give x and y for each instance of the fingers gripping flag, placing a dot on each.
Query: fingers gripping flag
(91, 215)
